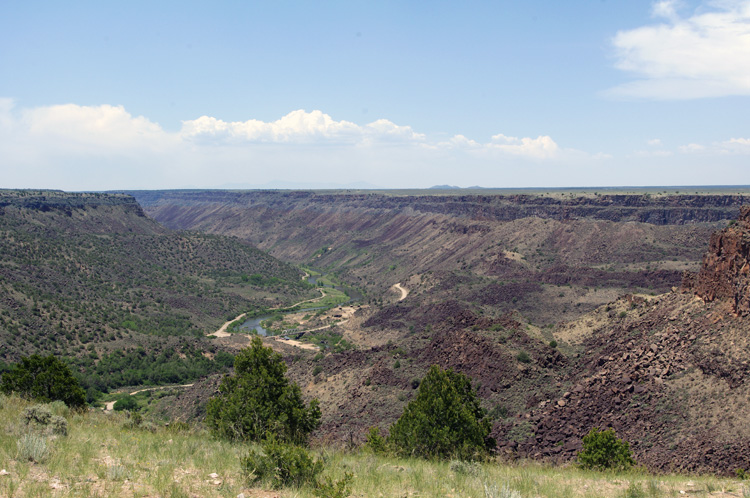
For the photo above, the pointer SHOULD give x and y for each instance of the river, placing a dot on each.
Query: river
(254, 324)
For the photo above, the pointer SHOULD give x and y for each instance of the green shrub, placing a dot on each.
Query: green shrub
(465, 468)
(116, 472)
(375, 442)
(603, 450)
(523, 357)
(634, 490)
(282, 464)
(498, 411)
(59, 425)
(37, 414)
(553, 343)
(492, 491)
(327, 488)
(521, 431)
(59, 408)
(125, 403)
(134, 421)
(178, 426)
(258, 399)
(147, 426)
(444, 420)
(45, 379)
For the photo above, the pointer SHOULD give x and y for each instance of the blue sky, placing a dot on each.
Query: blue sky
(121, 95)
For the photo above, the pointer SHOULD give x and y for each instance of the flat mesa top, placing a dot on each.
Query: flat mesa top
(555, 192)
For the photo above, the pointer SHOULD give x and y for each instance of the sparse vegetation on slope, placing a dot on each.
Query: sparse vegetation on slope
(91, 278)
(108, 456)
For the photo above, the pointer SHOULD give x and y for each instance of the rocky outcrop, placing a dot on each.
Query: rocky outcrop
(183, 208)
(49, 200)
(726, 266)
(666, 379)
(666, 374)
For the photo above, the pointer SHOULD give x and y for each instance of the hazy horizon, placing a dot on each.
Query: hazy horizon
(382, 95)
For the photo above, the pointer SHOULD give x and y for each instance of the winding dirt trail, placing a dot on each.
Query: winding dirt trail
(109, 405)
(222, 332)
(404, 291)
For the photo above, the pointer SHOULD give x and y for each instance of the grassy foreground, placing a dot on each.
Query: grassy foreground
(103, 455)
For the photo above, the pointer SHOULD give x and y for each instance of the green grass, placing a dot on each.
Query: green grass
(103, 457)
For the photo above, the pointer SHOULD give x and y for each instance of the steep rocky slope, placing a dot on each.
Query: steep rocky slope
(669, 374)
(581, 251)
(726, 266)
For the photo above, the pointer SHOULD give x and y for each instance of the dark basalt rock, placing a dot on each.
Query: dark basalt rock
(726, 266)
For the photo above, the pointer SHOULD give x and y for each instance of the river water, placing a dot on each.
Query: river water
(254, 324)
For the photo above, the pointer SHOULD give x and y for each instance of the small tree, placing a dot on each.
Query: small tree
(45, 379)
(258, 399)
(125, 403)
(444, 420)
(603, 450)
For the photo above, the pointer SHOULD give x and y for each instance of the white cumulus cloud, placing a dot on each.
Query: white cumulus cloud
(704, 54)
(736, 145)
(296, 127)
(101, 147)
(459, 142)
(104, 126)
(542, 147)
(692, 148)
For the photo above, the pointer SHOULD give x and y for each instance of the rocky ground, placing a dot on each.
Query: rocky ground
(530, 308)
(669, 376)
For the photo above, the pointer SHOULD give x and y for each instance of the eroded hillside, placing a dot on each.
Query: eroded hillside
(669, 373)
(531, 308)
(92, 278)
(569, 255)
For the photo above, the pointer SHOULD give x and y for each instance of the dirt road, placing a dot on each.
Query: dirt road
(404, 292)
(109, 405)
(222, 332)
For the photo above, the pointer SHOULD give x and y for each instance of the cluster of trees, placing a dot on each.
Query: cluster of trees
(140, 367)
(444, 420)
(44, 379)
